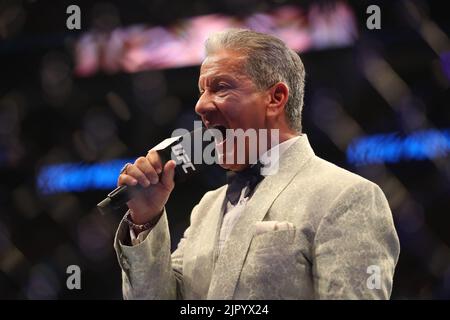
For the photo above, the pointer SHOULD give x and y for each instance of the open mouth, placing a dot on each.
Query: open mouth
(223, 130)
(220, 138)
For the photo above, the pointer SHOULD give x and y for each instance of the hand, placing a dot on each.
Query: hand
(157, 182)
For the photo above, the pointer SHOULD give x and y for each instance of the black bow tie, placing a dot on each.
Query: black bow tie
(237, 181)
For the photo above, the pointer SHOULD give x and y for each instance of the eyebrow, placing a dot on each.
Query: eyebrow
(218, 77)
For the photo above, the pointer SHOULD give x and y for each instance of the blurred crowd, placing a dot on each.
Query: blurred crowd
(376, 103)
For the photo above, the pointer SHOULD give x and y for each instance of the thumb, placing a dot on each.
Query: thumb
(168, 174)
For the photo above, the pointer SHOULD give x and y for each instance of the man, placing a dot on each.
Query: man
(310, 231)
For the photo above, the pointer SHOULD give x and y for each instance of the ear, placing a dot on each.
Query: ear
(278, 97)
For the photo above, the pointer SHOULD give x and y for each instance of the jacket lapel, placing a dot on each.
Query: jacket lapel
(197, 274)
(230, 262)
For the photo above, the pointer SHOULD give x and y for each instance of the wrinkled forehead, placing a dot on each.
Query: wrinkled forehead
(224, 62)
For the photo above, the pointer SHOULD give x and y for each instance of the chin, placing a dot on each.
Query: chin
(233, 166)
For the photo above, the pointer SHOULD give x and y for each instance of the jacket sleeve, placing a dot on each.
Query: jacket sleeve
(356, 246)
(149, 270)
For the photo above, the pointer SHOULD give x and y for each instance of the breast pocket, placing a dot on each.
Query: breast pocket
(279, 246)
(275, 267)
(273, 240)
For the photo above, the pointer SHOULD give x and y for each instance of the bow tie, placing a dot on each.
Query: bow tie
(237, 181)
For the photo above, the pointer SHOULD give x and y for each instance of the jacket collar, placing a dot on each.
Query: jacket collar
(227, 268)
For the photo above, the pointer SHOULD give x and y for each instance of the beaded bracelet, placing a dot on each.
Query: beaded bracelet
(139, 227)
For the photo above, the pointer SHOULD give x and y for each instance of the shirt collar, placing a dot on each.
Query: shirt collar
(270, 159)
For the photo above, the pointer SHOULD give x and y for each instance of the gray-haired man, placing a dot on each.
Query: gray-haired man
(310, 231)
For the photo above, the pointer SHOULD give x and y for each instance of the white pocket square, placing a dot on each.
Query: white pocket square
(267, 226)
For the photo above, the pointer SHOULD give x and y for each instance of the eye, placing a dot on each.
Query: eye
(221, 86)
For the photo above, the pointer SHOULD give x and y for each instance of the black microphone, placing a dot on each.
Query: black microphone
(183, 149)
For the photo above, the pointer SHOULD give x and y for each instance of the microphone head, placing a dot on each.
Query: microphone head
(188, 153)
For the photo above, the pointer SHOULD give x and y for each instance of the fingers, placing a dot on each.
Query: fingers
(132, 176)
(143, 164)
(125, 179)
(142, 172)
(168, 175)
(145, 171)
(154, 159)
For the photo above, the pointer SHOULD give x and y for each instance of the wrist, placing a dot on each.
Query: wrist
(139, 227)
(140, 216)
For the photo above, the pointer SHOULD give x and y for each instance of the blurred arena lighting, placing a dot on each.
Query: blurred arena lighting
(141, 47)
(375, 149)
(417, 237)
(384, 79)
(12, 106)
(12, 258)
(77, 177)
(12, 18)
(445, 62)
(400, 98)
(434, 36)
(119, 106)
(56, 78)
(392, 148)
(93, 237)
(43, 283)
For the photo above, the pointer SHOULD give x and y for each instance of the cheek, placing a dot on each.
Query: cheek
(241, 111)
(253, 113)
(230, 108)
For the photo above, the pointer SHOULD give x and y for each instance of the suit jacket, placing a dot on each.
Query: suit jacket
(343, 244)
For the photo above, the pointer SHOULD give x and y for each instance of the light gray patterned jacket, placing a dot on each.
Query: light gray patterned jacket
(344, 244)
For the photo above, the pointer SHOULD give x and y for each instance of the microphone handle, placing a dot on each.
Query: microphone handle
(117, 198)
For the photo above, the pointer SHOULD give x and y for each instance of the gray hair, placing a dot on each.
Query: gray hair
(268, 61)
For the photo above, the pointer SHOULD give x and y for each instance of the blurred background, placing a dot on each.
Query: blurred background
(75, 105)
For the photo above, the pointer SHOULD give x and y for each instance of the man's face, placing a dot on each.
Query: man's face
(229, 98)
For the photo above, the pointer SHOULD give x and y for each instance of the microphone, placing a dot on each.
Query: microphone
(181, 149)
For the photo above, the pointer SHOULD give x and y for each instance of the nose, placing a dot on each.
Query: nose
(204, 105)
